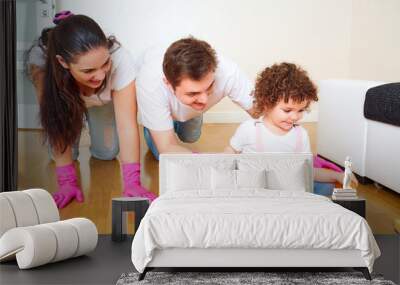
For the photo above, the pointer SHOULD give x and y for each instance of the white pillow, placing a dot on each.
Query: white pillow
(291, 178)
(186, 174)
(223, 179)
(188, 177)
(281, 174)
(251, 178)
(227, 179)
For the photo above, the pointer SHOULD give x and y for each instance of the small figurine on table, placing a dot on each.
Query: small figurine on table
(347, 173)
(347, 192)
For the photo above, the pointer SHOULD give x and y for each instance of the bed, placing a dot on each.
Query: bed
(247, 210)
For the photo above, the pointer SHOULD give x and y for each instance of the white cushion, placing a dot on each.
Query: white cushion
(223, 179)
(45, 206)
(193, 175)
(23, 208)
(251, 178)
(66, 237)
(34, 244)
(282, 174)
(87, 233)
(290, 179)
(176, 170)
(7, 218)
(26, 208)
(40, 244)
(226, 179)
(183, 177)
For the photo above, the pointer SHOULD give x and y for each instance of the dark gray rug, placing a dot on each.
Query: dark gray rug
(230, 278)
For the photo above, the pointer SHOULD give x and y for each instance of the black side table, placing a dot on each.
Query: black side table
(355, 205)
(126, 204)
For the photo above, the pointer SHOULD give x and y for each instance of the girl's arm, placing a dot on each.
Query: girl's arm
(126, 119)
(328, 175)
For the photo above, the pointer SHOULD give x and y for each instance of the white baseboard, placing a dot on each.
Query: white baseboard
(28, 116)
(226, 117)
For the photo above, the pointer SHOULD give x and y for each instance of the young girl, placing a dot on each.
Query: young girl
(80, 74)
(283, 92)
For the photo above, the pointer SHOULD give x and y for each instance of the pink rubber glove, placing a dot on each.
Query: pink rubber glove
(68, 188)
(322, 163)
(132, 185)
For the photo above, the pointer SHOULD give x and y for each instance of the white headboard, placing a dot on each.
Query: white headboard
(168, 160)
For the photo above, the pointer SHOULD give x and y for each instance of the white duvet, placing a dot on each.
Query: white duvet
(250, 219)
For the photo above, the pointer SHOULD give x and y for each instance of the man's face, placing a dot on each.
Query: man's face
(195, 93)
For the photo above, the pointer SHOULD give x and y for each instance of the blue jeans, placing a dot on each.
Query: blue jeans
(188, 132)
(104, 143)
(323, 188)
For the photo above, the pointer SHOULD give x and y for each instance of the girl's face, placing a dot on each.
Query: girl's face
(284, 115)
(91, 68)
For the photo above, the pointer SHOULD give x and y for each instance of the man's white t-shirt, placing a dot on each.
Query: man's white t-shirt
(123, 71)
(244, 139)
(159, 107)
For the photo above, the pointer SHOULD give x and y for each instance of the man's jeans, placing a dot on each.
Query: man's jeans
(188, 132)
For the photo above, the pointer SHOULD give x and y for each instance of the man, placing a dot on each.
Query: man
(175, 87)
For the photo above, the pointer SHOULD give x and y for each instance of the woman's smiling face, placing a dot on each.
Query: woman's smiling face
(90, 69)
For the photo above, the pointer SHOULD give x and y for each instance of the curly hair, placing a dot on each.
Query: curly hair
(282, 81)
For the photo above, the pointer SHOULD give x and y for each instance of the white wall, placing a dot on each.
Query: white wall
(328, 38)
(375, 49)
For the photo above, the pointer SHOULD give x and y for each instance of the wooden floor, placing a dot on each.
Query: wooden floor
(101, 180)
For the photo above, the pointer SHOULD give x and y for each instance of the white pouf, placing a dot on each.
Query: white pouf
(31, 233)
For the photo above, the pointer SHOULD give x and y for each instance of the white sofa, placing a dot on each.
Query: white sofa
(31, 231)
(343, 130)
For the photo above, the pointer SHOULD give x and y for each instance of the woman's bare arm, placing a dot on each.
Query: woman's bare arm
(125, 107)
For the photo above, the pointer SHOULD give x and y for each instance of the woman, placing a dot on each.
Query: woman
(80, 73)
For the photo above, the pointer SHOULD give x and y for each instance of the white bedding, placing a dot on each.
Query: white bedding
(252, 218)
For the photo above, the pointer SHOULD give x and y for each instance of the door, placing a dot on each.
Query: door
(32, 17)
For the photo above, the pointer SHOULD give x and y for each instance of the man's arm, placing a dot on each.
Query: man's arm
(238, 87)
(166, 142)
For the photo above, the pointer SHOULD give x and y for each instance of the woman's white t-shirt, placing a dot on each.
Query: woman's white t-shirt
(123, 71)
(244, 139)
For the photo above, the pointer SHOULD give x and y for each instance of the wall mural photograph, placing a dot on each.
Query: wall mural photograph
(175, 142)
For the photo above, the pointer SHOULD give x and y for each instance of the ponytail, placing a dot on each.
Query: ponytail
(62, 109)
